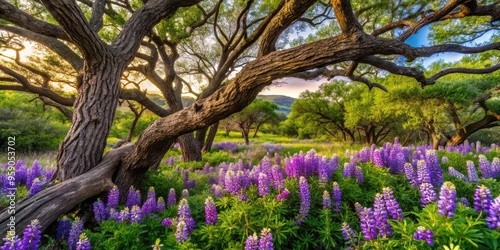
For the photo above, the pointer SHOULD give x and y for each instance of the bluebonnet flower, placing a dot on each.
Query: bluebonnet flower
(493, 219)
(167, 222)
(432, 162)
(348, 234)
(181, 233)
(305, 200)
(391, 204)
(277, 178)
(377, 158)
(135, 214)
(495, 167)
(381, 218)
(423, 173)
(484, 166)
(263, 184)
(337, 197)
(410, 174)
(453, 172)
(424, 234)
(283, 195)
(100, 212)
(14, 243)
(63, 227)
(482, 199)
(368, 224)
(327, 200)
(124, 215)
(160, 205)
(428, 194)
(35, 187)
(210, 211)
(171, 200)
(472, 172)
(465, 202)
(83, 243)
(266, 240)
(447, 200)
(113, 197)
(32, 236)
(252, 242)
(74, 233)
(148, 207)
(185, 194)
(132, 198)
(359, 174)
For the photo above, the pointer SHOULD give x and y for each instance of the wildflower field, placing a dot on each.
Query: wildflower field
(264, 197)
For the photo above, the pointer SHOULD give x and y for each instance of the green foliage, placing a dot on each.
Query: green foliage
(36, 128)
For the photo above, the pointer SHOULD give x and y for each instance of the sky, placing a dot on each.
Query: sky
(295, 86)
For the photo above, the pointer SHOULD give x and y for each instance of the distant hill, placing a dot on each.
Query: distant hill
(284, 102)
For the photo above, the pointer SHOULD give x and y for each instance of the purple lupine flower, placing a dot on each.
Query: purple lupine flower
(160, 205)
(495, 167)
(444, 159)
(283, 195)
(266, 240)
(63, 227)
(185, 194)
(424, 234)
(74, 233)
(263, 185)
(377, 158)
(391, 204)
(327, 200)
(359, 174)
(124, 215)
(135, 214)
(364, 155)
(482, 199)
(324, 172)
(35, 187)
(348, 234)
(493, 219)
(484, 166)
(472, 172)
(277, 159)
(278, 179)
(171, 200)
(210, 211)
(183, 210)
(337, 197)
(423, 175)
(453, 172)
(131, 198)
(167, 222)
(381, 218)
(10, 243)
(230, 182)
(368, 224)
(305, 200)
(148, 207)
(432, 162)
(50, 173)
(242, 196)
(113, 197)
(21, 173)
(447, 200)
(349, 170)
(428, 194)
(410, 174)
(32, 235)
(465, 202)
(100, 212)
(113, 214)
(358, 208)
(83, 243)
(152, 196)
(252, 242)
(181, 233)
(171, 160)
(218, 191)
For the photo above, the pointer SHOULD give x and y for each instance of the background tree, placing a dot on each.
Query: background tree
(254, 116)
(348, 41)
